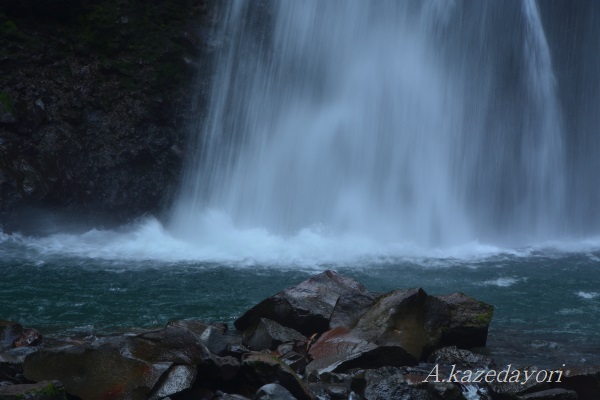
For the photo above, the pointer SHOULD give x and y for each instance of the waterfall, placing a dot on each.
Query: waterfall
(435, 123)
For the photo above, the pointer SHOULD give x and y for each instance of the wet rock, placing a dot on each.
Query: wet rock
(29, 337)
(330, 391)
(267, 334)
(306, 307)
(171, 344)
(341, 349)
(9, 332)
(273, 391)
(445, 391)
(392, 332)
(16, 355)
(401, 328)
(95, 373)
(349, 308)
(388, 383)
(212, 336)
(397, 319)
(468, 322)
(463, 358)
(225, 396)
(398, 329)
(177, 379)
(551, 394)
(510, 383)
(44, 390)
(295, 361)
(584, 380)
(11, 374)
(237, 350)
(227, 367)
(261, 369)
(150, 365)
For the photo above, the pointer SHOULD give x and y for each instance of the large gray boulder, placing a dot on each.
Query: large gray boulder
(151, 365)
(307, 307)
(402, 328)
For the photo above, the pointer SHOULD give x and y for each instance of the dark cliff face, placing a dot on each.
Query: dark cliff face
(95, 97)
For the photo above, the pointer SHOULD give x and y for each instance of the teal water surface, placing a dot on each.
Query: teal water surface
(547, 306)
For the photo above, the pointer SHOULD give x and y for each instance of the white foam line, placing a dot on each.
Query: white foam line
(217, 240)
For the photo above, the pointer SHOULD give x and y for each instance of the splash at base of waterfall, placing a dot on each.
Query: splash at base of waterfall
(216, 239)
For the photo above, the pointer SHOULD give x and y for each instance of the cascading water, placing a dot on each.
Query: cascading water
(435, 123)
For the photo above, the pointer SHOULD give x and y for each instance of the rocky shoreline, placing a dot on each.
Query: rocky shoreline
(325, 338)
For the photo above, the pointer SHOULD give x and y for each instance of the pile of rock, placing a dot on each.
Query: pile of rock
(326, 338)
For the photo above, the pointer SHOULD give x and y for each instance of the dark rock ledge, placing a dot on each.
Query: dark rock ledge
(327, 338)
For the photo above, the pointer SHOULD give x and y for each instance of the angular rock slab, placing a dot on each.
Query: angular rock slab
(460, 357)
(397, 319)
(261, 369)
(95, 374)
(341, 349)
(389, 383)
(152, 365)
(349, 307)
(401, 328)
(171, 344)
(583, 380)
(176, 379)
(306, 307)
(212, 336)
(265, 334)
(273, 391)
(468, 320)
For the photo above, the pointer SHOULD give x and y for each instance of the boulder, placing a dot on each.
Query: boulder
(307, 307)
(295, 361)
(341, 349)
(583, 380)
(463, 358)
(397, 319)
(266, 334)
(212, 336)
(95, 373)
(273, 391)
(349, 307)
(330, 391)
(44, 390)
(175, 380)
(259, 369)
(386, 383)
(11, 373)
(150, 365)
(171, 344)
(503, 389)
(446, 391)
(401, 328)
(462, 320)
